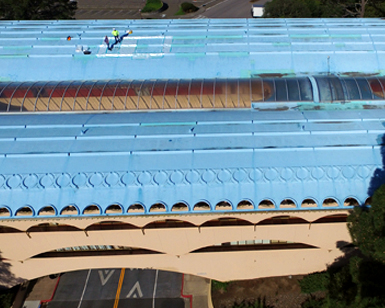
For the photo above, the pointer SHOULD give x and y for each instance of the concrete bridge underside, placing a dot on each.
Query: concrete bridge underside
(248, 245)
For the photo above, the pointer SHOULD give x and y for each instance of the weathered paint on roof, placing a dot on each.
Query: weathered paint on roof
(198, 48)
(189, 157)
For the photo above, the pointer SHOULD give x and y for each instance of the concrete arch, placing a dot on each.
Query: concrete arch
(169, 223)
(368, 201)
(70, 210)
(330, 202)
(92, 209)
(180, 207)
(245, 204)
(202, 205)
(136, 208)
(224, 205)
(47, 210)
(283, 219)
(309, 202)
(158, 207)
(115, 208)
(52, 227)
(5, 211)
(266, 204)
(111, 225)
(227, 221)
(351, 201)
(26, 210)
(332, 218)
(288, 203)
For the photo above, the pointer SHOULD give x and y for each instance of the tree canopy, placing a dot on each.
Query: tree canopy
(37, 9)
(324, 8)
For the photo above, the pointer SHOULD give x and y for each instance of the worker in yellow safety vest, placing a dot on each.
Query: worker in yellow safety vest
(115, 33)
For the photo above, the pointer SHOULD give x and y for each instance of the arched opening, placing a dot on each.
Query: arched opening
(47, 211)
(4, 212)
(226, 221)
(94, 250)
(52, 226)
(330, 202)
(158, 207)
(287, 203)
(24, 211)
(266, 204)
(201, 206)
(332, 218)
(135, 208)
(309, 203)
(245, 205)
(368, 201)
(69, 210)
(251, 245)
(279, 220)
(351, 202)
(114, 209)
(179, 207)
(169, 223)
(6, 229)
(91, 210)
(223, 206)
(111, 225)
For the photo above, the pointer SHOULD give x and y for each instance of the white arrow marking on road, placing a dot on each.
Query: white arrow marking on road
(103, 279)
(132, 291)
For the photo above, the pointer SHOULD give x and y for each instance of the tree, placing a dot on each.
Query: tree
(324, 8)
(37, 9)
(367, 227)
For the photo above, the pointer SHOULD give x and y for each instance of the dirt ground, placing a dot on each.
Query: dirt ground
(277, 292)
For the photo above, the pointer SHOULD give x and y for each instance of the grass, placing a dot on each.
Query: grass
(152, 6)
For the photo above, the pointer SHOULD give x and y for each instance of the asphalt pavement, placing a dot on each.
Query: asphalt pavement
(112, 288)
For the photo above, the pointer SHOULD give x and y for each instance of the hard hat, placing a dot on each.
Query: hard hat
(114, 29)
(130, 31)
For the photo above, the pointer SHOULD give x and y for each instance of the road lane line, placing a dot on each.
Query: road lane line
(84, 289)
(120, 284)
(155, 285)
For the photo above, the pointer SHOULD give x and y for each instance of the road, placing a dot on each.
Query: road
(119, 287)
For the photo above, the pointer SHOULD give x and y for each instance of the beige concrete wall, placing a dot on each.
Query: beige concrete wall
(176, 245)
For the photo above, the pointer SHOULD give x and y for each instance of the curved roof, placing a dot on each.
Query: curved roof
(190, 157)
(189, 94)
(184, 49)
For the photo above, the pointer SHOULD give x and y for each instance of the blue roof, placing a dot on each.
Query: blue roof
(188, 157)
(197, 48)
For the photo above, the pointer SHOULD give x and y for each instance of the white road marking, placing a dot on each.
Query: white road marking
(137, 288)
(155, 285)
(103, 279)
(84, 289)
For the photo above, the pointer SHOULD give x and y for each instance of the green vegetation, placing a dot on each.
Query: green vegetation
(360, 282)
(324, 8)
(218, 285)
(187, 7)
(37, 9)
(7, 297)
(152, 6)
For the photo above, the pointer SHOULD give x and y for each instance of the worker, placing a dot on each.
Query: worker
(107, 41)
(115, 33)
(128, 32)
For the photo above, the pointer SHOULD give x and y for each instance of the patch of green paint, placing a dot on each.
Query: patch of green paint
(272, 73)
(340, 45)
(187, 45)
(200, 37)
(190, 55)
(13, 56)
(234, 54)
